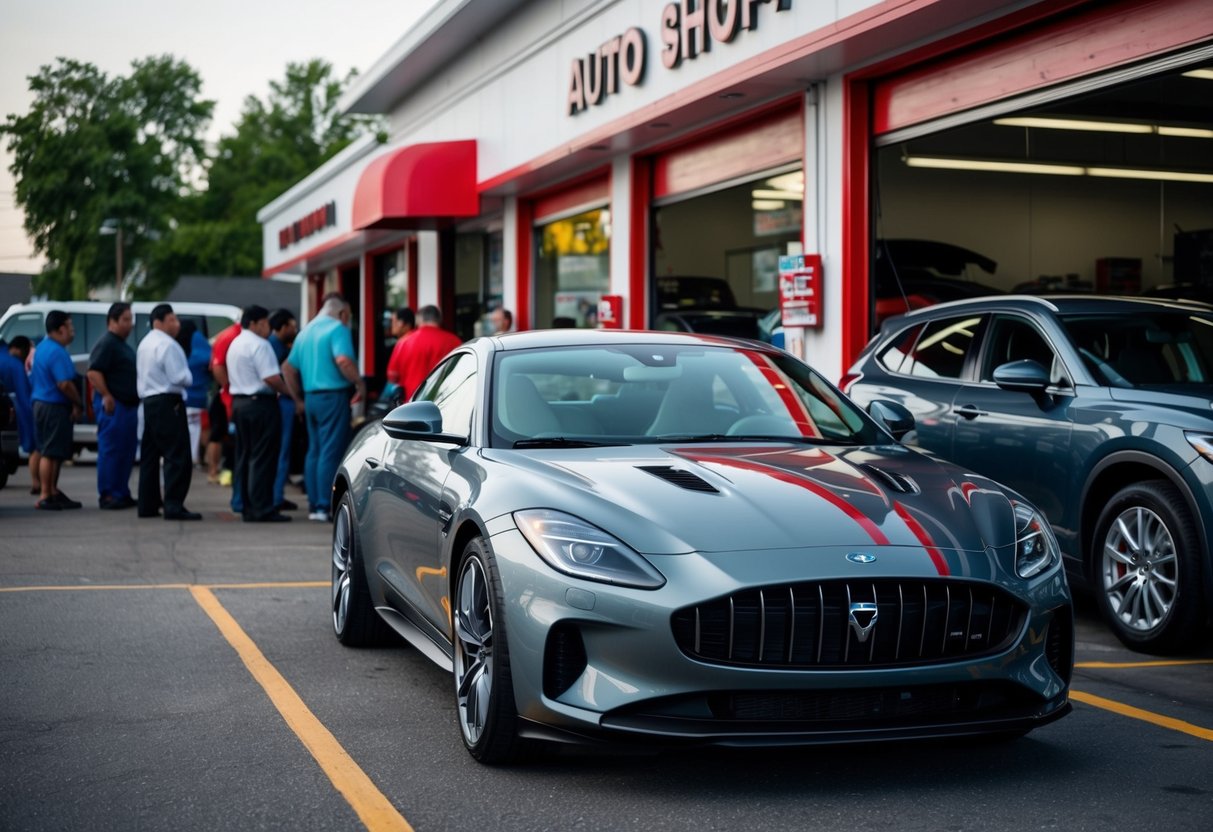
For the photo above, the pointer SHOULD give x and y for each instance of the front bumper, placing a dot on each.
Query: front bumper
(593, 661)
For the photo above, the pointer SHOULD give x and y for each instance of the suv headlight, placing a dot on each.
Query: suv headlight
(1202, 442)
(574, 547)
(1035, 547)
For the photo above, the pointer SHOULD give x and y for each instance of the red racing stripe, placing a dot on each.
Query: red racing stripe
(937, 558)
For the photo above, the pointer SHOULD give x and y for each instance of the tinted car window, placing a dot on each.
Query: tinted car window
(453, 388)
(942, 347)
(1016, 339)
(89, 329)
(894, 355)
(1147, 349)
(29, 324)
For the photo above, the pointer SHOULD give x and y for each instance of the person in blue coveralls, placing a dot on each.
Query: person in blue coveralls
(111, 372)
(15, 381)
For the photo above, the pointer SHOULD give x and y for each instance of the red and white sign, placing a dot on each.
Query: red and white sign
(610, 312)
(800, 290)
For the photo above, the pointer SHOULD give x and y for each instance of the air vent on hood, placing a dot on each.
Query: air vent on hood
(680, 478)
(897, 482)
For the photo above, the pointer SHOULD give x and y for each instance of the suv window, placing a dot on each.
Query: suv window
(1015, 339)
(942, 347)
(894, 355)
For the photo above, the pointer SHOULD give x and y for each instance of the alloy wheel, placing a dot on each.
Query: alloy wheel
(1140, 569)
(342, 549)
(473, 650)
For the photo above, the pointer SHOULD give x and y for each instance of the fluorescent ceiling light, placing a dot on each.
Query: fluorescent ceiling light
(767, 204)
(767, 193)
(945, 163)
(984, 164)
(1104, 126)
(1203, 74)
(793, 181)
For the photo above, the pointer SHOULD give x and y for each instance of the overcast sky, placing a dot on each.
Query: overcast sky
(237, 46)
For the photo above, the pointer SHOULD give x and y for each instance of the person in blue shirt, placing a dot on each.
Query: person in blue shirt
(111, 372)
(15, 381)
(283, 329)
(198, 355)
(57, 404)
(322, 363)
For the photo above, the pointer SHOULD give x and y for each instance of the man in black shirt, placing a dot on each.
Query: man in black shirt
(111, 372)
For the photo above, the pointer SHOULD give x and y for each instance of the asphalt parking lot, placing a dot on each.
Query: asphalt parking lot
(160, 675)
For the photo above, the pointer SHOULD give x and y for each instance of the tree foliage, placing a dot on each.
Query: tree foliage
(276, 143)
(93, 148)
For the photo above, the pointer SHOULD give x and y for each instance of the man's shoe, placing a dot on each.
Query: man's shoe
(125, 502)
(146, 514)
(183, 514)
(320, 515)
(288, 505)
(276, 517)
(48, 505)
(65, 501)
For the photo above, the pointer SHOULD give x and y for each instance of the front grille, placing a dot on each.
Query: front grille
(919, 702)
(809, 625)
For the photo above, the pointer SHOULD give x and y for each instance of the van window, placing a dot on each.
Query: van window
(30, 324)
(90, 326)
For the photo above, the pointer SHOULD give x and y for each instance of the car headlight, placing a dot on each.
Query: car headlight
(1202, 442)
(1035, 547)
(574, 547)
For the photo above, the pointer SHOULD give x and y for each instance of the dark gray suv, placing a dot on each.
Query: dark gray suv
(1096, 409)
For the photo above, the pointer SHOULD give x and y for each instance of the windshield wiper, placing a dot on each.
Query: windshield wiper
(751, 437)
(560, 442)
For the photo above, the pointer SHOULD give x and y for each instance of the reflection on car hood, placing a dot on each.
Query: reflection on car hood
(750, 496)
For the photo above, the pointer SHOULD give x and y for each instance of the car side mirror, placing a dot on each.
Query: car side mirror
(1026, 375)
(415, 420)
(894, 417)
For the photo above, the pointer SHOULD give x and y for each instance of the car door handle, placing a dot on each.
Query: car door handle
(968, 411)
(372, 462)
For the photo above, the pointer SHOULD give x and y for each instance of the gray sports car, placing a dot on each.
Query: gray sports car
(681, 538)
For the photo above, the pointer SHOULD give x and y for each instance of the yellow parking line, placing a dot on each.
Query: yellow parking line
(1158, 663)
(262, 585)
(1145, 716)
(375, 810)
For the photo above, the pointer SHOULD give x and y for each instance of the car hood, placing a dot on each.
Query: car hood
(720, 498)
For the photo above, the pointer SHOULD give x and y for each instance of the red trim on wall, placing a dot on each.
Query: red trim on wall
(1057, 51)
(637, 313)
(277, 268)
(856, 220)
(524, 239)
(594, 189)
(761, 143)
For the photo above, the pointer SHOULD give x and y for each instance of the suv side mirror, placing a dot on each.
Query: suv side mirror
(1027, 375)
(892, 416)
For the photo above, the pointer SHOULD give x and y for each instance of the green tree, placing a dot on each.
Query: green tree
(92, 148)
(276, 143)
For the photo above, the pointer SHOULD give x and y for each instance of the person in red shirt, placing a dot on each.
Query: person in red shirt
(404, 324)
(420, 352)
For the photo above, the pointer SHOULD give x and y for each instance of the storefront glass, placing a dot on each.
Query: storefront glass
(478, 280)
(1109, 192)
(721, 249)
(572, 272)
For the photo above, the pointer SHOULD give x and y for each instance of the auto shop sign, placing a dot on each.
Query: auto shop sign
(687, 29)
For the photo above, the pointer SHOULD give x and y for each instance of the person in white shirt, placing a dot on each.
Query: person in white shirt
(163, 374)
(255, 380)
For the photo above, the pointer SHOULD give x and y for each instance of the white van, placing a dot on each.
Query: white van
(89, 318)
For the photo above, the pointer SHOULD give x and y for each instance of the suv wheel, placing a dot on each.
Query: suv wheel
(1147, 568)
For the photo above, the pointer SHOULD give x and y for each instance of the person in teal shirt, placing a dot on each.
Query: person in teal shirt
(322, 364)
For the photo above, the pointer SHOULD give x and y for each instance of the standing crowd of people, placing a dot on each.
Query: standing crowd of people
(149, 402)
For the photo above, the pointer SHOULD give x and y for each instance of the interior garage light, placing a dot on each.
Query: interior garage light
(767, 204)
(1203, 74)
(767, 193)
(945, 163)
(1104, 126)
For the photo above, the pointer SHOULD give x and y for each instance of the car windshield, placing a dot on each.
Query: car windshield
(640, 393)
(1148, 349)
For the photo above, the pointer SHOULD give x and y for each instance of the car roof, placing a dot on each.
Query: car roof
(551, 338)
(1061, 304)
(139, 307)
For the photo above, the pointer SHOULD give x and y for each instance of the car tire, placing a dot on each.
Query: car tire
(355, 622)
(484, 688)
(1145, 563)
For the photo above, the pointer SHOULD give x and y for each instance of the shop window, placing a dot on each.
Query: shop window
(573, 269)
(721, 250)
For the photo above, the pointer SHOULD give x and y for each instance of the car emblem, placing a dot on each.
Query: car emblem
(863, 618)
(861, 557)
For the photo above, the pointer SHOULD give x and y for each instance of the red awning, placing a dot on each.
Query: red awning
(418, 186)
